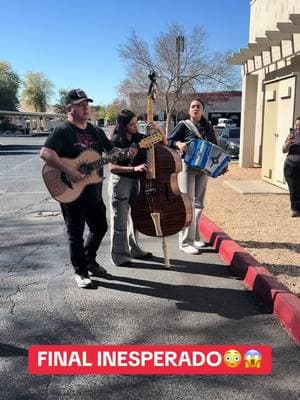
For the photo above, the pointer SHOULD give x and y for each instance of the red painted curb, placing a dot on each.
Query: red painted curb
(284, 304)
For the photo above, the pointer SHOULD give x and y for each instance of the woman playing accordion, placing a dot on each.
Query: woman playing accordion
(193, 181)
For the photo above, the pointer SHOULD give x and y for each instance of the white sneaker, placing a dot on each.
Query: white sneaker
(198, 244)
(189, 249)
(82, 281)
(295, 213)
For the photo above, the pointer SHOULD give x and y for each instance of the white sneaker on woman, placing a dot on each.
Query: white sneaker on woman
(198, 244)
(189, 249)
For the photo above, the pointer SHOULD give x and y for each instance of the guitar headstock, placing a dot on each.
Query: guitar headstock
(151, 140)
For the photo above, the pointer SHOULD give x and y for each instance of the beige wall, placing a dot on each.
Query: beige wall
(297, 98)
(264, 15)
(248, 118)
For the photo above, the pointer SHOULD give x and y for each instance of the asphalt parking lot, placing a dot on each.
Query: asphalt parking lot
(197, 301)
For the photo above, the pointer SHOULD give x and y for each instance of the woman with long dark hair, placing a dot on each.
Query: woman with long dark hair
(193, 182)
(123, 189)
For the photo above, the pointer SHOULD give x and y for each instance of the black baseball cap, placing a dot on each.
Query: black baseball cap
(76, 96)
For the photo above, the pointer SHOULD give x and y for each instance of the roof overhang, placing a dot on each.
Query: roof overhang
(285, 31)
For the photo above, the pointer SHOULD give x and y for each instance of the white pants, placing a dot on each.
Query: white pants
(122, 191)
(194, 183)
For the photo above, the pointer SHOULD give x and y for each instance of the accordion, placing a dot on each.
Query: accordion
(207, 157)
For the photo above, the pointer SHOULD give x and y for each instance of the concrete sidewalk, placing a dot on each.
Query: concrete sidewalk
(254, 187)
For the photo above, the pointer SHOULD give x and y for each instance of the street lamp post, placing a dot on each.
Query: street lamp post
(179, 49)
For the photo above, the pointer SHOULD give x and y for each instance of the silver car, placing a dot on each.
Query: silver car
(229, 140)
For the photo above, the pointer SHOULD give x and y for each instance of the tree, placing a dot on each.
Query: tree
(9, 85)
(113, 109)
(37, 90)
(191, 71)
(101, 111)
(61, 104)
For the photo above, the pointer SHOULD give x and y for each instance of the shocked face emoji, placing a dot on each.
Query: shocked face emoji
(232, 358)
(252, 359)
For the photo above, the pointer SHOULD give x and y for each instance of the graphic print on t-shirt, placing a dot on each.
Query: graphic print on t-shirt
(83, 140)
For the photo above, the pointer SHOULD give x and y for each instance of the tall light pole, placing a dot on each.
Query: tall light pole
(179, 49)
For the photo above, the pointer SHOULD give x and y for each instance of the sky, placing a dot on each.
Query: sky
(74, 43)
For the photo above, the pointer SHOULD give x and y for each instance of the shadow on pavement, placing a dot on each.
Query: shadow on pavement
(270, 245)
(7, 350)
(221, 301)
(184, 266)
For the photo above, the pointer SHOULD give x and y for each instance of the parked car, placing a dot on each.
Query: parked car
(229, 140)
(218, 130)
(225, 123)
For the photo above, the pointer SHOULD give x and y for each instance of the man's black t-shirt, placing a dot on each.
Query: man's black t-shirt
(68, 141)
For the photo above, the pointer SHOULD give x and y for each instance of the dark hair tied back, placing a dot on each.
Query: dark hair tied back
(124, 117)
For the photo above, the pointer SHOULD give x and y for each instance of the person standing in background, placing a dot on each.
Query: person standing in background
(292, 167)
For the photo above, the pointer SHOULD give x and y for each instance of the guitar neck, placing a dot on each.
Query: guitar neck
(120, 155)
(151, 173)
(116, 156)
(149, 110)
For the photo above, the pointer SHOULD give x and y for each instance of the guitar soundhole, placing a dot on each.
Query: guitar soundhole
(55, 183)
(85, 169)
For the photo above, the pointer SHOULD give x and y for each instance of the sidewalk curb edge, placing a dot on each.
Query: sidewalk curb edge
(284, 304)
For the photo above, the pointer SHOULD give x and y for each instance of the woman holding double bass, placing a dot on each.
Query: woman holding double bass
(123, 189)
(193, 182)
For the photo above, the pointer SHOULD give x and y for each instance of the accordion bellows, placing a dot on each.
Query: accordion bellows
(207, 157)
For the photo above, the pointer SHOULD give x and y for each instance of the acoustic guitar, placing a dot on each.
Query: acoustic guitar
(87, 163)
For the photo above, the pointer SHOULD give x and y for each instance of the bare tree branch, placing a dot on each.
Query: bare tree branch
(198, 69)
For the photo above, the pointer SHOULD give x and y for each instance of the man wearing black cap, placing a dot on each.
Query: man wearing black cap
(68, 141)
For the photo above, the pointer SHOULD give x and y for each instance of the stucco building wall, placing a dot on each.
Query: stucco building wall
(271, 78)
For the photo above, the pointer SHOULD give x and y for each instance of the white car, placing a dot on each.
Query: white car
(225, 123)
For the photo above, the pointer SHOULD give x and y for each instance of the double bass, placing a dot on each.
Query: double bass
(161, 209)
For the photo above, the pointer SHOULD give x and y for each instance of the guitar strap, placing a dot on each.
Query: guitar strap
(192, 127)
